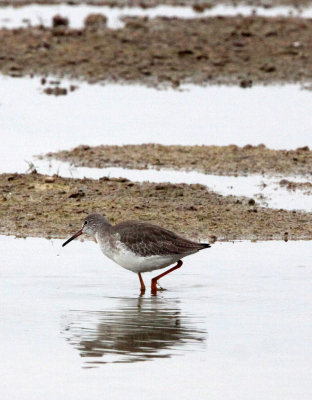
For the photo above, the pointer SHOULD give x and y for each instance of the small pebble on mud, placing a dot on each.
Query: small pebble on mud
(58, 20)
(56, 91)
(95, 22)
(49, 179)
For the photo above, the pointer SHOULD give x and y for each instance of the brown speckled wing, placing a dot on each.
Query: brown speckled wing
(146, 240)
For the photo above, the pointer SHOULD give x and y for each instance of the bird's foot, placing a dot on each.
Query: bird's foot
(155, 287)
(160, 289)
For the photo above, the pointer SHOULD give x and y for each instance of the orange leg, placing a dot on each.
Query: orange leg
(142, 283)
(154, 280)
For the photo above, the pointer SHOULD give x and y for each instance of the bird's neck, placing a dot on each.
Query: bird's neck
(105, 230)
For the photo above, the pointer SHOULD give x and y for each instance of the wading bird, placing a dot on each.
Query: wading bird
(139, 246)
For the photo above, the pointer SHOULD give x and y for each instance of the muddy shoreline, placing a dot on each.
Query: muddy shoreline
(199, 5)
(217, 160)
(166, 51)
(54, 207)
(305, 187)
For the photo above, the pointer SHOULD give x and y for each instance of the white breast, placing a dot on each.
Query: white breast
(129, 260)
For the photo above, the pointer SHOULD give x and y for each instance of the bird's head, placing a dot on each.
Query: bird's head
(91, 225)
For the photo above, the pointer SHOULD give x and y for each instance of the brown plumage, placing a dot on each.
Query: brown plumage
(146, 239)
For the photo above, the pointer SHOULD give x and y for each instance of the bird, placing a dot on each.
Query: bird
(139, 246)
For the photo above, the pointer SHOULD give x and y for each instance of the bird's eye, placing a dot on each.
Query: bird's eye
(85, 223)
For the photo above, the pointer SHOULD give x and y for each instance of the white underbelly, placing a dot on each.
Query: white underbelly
(143, 264)
(129, 260)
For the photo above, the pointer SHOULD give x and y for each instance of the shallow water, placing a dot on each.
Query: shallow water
(278, 116)
(35, 14)
(233, 323)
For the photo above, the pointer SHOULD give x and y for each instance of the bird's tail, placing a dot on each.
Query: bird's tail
(205, 245)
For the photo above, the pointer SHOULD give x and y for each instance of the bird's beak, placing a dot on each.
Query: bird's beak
(72, 238)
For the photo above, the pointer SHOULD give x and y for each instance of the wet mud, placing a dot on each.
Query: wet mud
(305, 187)
(54, 207)
(166, 51)
(218, 160)
(199, 5)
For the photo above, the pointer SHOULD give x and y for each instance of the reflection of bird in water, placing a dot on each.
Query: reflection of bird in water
(138, 330)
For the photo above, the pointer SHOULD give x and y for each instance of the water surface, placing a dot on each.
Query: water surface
(235, 323)
(278, 116)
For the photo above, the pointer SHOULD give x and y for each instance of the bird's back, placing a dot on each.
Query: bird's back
(148, 239)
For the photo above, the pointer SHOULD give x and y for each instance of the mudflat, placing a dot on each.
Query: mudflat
(166, 51)
(54, 207)
(218, 160)
(198, 5)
